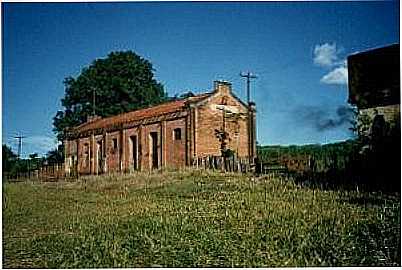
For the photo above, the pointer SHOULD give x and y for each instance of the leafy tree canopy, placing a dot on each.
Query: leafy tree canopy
(56, 155)
(187, 94)
(9, 158)
(121, 82)
(33, 156)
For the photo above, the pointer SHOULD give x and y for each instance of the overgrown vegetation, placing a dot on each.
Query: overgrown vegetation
(15, 168)
(195, 219)
(368, 162)
(325, 156)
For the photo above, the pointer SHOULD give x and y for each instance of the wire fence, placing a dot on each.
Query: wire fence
(227, 164)
(50, 172)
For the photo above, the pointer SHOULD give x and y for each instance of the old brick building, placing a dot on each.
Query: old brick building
(374, 86)
(172, 134)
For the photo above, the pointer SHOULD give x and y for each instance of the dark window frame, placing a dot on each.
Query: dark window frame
(86, 148)
(177, 134)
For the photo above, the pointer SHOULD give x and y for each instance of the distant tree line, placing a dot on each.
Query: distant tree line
(14, 166)
(327, 154)
(372, 161)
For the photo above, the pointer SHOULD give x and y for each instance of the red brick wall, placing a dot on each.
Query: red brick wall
(112, 153)
(175, 149)
(84, 155)
(210, 118)
(128, 154)
(96, 155)
(171, 153)
(146, 147)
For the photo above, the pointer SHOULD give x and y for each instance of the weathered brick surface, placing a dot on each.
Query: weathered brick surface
(211, 116)
(84, 156)
(99, 163)
(128, 160)
(111, 150)
(391, 113)
(146, 162)
(175, 151)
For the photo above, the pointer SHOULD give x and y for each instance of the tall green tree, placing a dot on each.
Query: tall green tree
(121, 82)
(9, 158)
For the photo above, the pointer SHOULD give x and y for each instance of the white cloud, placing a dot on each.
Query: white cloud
(326, 55)
(40, 144)
(338, 75)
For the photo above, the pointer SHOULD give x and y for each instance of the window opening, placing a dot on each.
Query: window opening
(177, 134)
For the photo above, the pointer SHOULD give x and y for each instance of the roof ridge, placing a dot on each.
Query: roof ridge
(120, 117)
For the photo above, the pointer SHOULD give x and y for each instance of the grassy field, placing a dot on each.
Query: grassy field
(195, 219)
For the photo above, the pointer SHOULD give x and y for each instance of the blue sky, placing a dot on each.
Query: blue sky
(297, 50)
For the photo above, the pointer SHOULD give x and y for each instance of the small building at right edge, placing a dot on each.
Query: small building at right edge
(374, 88)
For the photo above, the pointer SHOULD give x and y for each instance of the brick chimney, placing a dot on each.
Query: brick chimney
(224, 87)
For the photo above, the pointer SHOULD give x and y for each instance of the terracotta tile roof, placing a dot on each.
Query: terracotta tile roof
(164, 108)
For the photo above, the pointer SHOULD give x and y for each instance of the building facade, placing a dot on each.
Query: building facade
(172, 134)
(374, 87)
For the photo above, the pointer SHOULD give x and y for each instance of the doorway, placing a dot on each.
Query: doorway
(99, 160)
(153, 150)
(134, 152)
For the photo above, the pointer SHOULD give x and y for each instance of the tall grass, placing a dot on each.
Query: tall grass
(195, 219)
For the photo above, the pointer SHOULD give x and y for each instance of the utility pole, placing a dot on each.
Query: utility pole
(20, 137)
(93, 101)
(249, 76)
(92, 140)
(250, 126)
